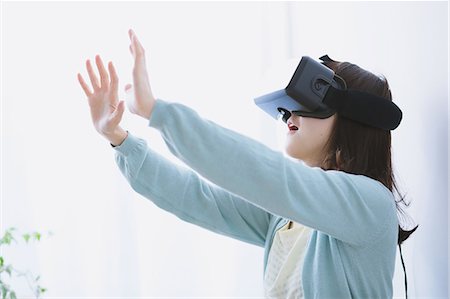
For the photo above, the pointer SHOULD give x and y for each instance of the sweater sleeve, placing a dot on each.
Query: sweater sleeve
(353, 208)
(184, 193)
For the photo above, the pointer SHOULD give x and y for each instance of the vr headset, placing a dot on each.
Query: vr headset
(316, 91)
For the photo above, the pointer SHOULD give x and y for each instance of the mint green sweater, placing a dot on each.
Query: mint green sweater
(256, 190)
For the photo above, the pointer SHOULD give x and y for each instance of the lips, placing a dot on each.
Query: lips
(292, 127)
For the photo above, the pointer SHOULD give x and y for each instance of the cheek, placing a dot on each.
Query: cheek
(318, 129)
(309, 132)
(308, 139)
(300, 143)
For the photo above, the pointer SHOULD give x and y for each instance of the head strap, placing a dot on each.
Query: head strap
(363, 107)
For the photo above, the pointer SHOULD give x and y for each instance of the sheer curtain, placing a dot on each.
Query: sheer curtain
(58, 174)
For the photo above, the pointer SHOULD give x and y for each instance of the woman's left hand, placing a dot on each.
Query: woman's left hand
(106, 109)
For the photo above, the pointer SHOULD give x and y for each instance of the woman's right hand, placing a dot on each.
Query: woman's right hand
(106, 110)
(141, 99)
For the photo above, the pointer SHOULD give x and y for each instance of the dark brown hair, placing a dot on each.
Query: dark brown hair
(356, 148)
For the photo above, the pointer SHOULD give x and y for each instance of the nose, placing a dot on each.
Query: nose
(285, 114)
(294, 119)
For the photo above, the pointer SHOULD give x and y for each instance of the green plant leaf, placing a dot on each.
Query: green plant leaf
(26, 237)
(7, 238)
(37, 236)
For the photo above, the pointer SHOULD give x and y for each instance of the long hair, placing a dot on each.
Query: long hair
(356, 148)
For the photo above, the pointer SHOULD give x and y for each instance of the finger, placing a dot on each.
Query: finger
(132, 47)
(92, 76)
(85, 87)
(136, 44)
(104, 77)
(130, 33)
(114, 78)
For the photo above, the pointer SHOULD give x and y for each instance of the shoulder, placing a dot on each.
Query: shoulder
(363, 185)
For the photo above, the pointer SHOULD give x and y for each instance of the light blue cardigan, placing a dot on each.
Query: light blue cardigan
(256, 190)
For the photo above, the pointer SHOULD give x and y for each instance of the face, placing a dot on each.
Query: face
(308, 142)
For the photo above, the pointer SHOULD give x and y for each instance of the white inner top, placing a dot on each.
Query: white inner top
(283, 276)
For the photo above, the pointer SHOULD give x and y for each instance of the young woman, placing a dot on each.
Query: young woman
(328, 226)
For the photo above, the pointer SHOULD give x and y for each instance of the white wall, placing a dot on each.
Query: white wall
(408, 43)
(59, 175)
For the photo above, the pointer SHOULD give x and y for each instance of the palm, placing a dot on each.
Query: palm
(106, 111)
(102, 109)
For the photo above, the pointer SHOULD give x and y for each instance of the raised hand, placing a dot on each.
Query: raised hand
(141, 99)
(106, 109)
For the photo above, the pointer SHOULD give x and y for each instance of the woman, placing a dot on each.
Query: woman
(329, 225)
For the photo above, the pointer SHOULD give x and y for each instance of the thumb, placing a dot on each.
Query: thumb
(129, 97)
(128, 87)
(116, 116)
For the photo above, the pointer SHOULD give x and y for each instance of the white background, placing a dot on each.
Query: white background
(59, 175)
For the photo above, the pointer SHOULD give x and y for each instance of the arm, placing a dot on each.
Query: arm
(353, 208)
(182, 192)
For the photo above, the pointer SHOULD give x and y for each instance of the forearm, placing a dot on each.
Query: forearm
(182, 192)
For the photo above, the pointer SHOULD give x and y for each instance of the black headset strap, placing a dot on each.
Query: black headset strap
(404, 270)
(363, 107)
(326, 58)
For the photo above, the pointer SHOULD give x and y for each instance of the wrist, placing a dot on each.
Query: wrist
(146, 111)
(117, 137)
